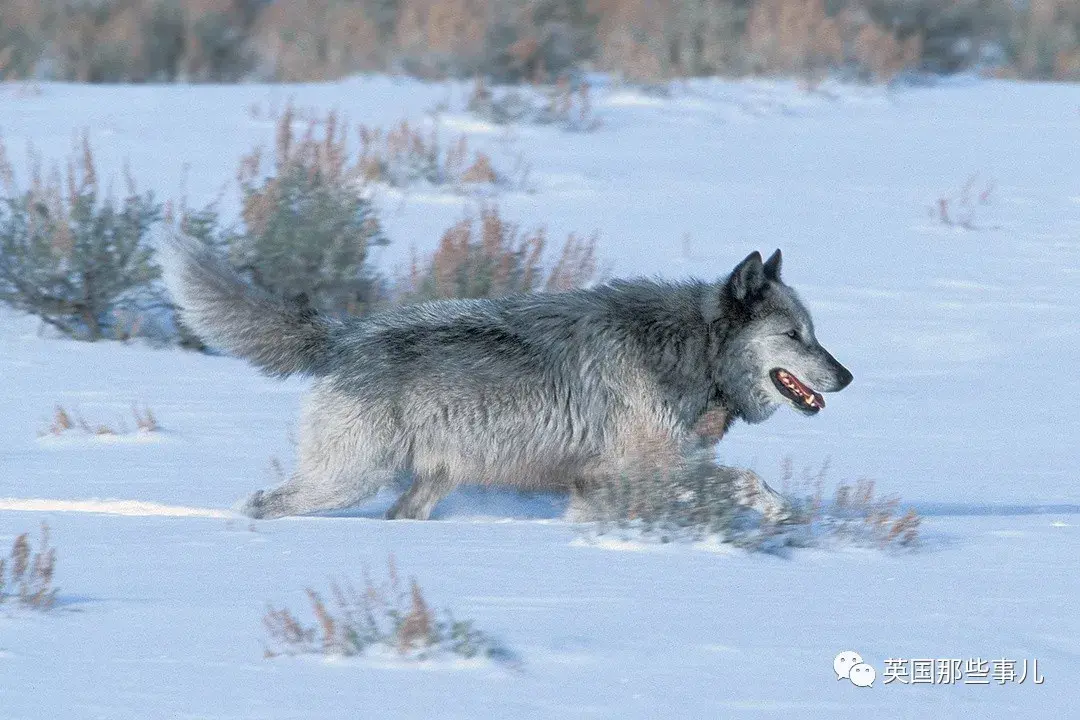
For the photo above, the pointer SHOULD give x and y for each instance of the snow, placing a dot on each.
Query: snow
(962, 342)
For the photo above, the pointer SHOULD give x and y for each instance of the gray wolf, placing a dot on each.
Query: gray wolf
(562, 390)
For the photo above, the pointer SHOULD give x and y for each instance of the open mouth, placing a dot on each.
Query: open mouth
(801, 396)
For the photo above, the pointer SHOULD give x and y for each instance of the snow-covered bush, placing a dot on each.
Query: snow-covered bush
(381, 618)
(489, 256)
(695, 499)
(689, 499)
(74, 255)
(26, 576)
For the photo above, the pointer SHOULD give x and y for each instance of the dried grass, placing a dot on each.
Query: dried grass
(380, 617)
(855, 513)
(26, 575)
(66, 423)
(406, 154)
(960, 208)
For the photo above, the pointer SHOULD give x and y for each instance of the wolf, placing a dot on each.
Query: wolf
(548, 390)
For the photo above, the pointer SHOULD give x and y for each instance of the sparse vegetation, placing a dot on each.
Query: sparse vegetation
(83, 263)
(65, 423)
(145, 420)
(405, 155)
(73, 255)
(489, 256)
(854, 515)
(390, 617)
(308, 228)
(565, 104)
(26, 575)
(960, 208)
(692, 499)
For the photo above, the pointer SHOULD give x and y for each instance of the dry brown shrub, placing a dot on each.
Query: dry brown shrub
(576, 266)
(417, 625)
(286, 629)
(64, 422)
(322, 149)
(884, 55)
(630, 35)
(384, 616)
(790, 36)
(28, 575)
(481, 171)
(406, 154)
(642, 40)
(61, 421)
(489, 257)
(436, 37)
(856, 513)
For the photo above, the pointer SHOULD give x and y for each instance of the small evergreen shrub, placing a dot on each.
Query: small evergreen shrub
(307, 228)
(73, 255)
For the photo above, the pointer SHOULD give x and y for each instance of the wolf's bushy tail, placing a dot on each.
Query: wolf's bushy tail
(228, 313)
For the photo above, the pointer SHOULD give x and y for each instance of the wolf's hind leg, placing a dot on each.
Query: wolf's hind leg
(337, 467)
(423, 495)
(303, 495)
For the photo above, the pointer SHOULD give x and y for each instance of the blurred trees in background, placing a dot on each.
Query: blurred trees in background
(532, 40)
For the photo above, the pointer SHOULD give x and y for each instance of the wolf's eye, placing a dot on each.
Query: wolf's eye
(793, 334)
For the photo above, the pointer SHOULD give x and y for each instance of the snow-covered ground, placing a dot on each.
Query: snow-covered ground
(963, 343)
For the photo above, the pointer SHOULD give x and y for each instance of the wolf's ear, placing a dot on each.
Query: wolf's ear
(748, 276)
(772, 266)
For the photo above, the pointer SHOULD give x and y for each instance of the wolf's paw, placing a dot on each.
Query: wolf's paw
(255, 506)
(753, 492)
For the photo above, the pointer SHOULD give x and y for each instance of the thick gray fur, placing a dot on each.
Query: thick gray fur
(562, 390)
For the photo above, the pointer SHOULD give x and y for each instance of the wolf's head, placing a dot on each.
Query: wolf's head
(766, 352)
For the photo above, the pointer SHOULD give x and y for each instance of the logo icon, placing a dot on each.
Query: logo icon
(849, 665)
(843, 663)
(862, 675)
